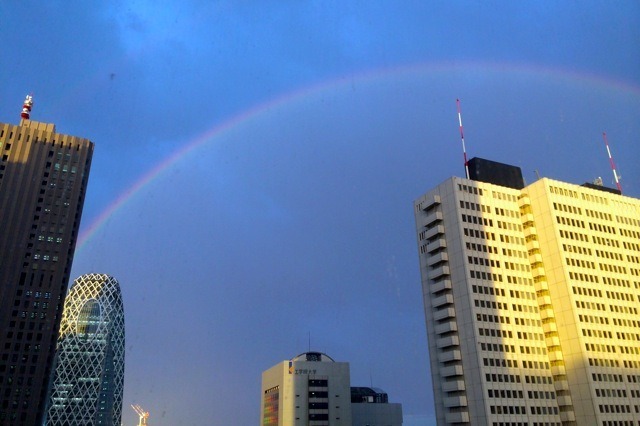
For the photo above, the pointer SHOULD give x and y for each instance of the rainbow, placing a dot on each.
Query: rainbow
(363, 77)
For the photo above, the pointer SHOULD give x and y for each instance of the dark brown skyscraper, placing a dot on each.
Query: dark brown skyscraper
(43, 179)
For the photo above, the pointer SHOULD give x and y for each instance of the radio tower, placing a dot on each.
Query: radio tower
(613, 165)
(464, 150)
(26, 108)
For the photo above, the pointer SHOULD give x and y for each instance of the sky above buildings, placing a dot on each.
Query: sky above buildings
(256, 164)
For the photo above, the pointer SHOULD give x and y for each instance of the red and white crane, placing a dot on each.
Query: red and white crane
(464, 149)
(613, 165)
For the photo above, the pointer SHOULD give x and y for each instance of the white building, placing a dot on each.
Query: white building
(314, 390)
(531, 300)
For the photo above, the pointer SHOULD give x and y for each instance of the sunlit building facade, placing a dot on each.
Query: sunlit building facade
(531, 301)
(88, 377)
(43, 179)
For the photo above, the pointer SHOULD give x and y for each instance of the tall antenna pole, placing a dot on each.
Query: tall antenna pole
(613, 165)
(464, 149)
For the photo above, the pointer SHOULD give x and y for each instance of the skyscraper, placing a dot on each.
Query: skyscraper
(531, 300)
(88, 377)
(43, 179)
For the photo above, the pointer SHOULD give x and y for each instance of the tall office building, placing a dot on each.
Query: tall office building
(531, 298)
(310, 389)
(314, 390)
(43, 179)
(88, 376)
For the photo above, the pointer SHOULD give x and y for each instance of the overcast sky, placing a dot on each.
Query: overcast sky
(256, 163)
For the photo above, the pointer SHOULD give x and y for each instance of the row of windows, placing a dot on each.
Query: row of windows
(594, 319)
(614, 408)
(507, 409)
(493, 318)
(571, 235)
(502, 378)
(495, 333)
(569, 248)
(612, 268)
(487, 290)
(482, 248)
(606, 241)
(626, 322)
(489, 304)
(590, 305)
(623, 309)
(477, 220)
(628, 220)
(603, 362)
(620, 296)
(475, 206)
(585, 291)
(499, 362)
(497, 347)
(479, 234)
(503, 196)
(470, 189)
(601, 334)
(505, 393)
(570, 222)
(568, 209)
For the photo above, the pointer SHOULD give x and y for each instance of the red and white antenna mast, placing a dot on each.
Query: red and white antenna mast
(26, 108)
(613, 165)
(464, 149)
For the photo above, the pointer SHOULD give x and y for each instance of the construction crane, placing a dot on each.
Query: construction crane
(144, 415)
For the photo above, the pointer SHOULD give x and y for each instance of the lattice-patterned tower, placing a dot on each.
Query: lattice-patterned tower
(89, 372)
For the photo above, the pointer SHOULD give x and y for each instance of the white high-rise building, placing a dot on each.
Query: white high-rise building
(88, 378)
(310, 389)
(531, 300)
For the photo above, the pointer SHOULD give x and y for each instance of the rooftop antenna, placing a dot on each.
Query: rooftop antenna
(26, 107)
(613, 165)
(464, 150)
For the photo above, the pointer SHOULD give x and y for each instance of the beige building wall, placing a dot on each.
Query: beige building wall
(311, 390)
(531, 303)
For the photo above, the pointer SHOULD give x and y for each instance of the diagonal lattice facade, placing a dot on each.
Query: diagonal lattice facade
(89, 370)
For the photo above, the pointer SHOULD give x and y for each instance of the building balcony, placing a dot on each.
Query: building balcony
(446, 327)
(433, 216)
(440, 286)
(558, 370)
(448, 341)
(438, 244)
(445, 299)
(564, 400)
(550, 327)
(436, 230)
(544, 300)
(530, 231)
(555, 356)
(444, 313)
(457, 417)
(453, 386)
(546, 313)
(567, 416)
(535, 258)
(452, 355)
(552, 341)
(455, 401)
(561, 385)
(536, 272)
(452, 370)
(432, 274)
(431, 202)
(438, 258)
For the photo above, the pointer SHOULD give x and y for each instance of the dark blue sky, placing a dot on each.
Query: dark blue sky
(297, 220)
